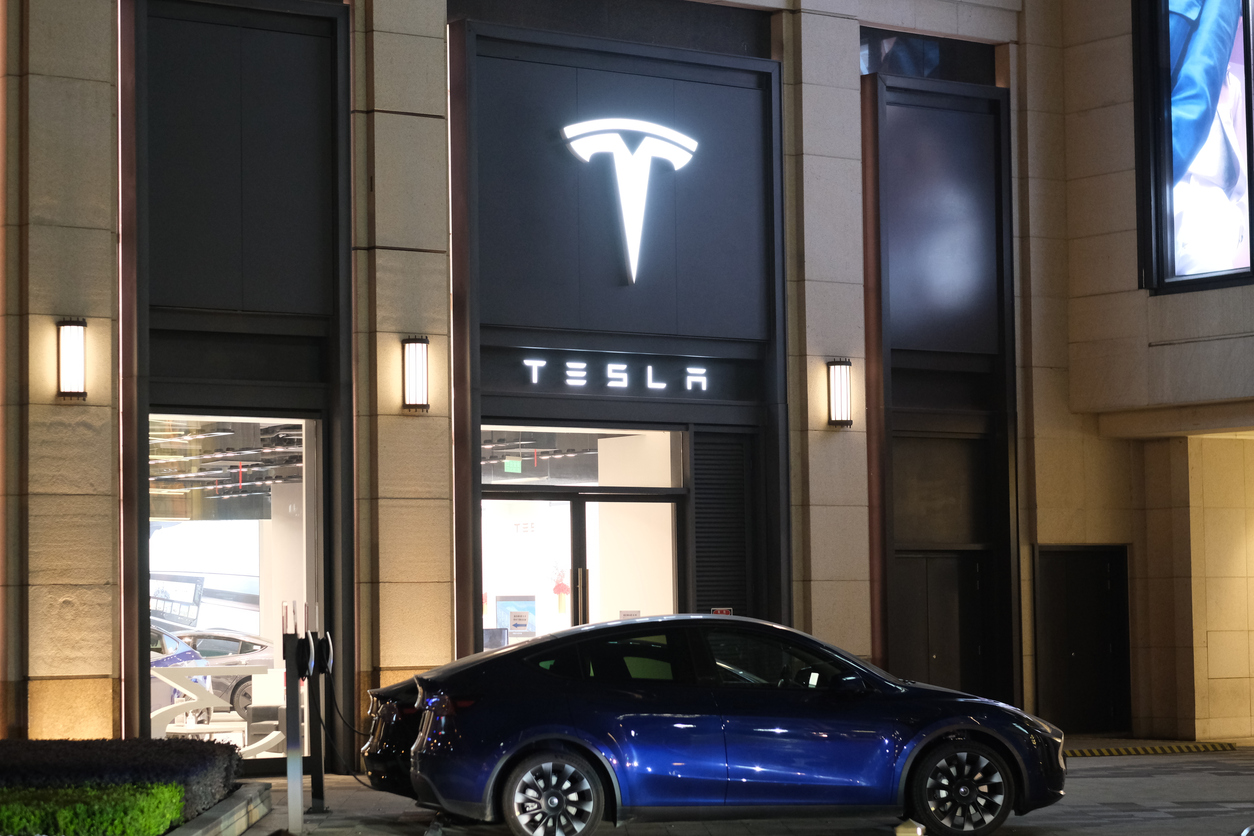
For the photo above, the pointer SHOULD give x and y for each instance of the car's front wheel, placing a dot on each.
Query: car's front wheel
(961, 787)
(553, 794)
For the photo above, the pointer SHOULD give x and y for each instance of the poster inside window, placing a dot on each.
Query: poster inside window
(1209, 137)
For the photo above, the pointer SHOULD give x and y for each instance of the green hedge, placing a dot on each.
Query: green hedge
(112, 810)
(204, 770)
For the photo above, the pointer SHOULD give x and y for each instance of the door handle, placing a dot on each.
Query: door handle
(581, 596)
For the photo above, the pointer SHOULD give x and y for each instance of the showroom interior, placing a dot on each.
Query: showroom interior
(437, 325)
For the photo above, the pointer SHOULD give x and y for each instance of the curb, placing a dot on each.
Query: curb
(1150, 750)
(232, 815)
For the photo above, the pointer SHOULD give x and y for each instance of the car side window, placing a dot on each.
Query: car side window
(217, 647)
(623, 659)
(250, 647)
(154, 643)
(171, 645)
(562, 661)
(752, 660)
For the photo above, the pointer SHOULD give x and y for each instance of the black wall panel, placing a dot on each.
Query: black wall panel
(940, 222)
(551, 250)
(241, 171)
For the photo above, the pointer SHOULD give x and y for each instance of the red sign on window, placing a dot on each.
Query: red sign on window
(720, 610)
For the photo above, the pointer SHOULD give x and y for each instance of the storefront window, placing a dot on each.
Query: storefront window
(548, 456)
(1194, 109)
(554, 557)
(232, 507)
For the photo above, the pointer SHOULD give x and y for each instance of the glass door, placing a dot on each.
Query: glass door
(527, 569)
(578, 525)
(630, 559)
(233, 542)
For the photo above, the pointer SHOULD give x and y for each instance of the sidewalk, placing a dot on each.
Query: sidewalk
(1197, 794)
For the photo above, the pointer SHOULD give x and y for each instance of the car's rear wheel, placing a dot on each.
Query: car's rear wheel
(961, 787)
(553, 794)
(243, 696)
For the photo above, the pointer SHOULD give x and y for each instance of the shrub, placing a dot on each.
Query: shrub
(205, 770)
(112, 810)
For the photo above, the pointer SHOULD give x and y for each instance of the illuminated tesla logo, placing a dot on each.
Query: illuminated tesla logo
(632, 170)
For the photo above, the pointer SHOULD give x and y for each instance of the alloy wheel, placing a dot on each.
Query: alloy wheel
(965, 791)
(554, 798)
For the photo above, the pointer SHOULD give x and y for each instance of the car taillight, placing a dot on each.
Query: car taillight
(442, 705)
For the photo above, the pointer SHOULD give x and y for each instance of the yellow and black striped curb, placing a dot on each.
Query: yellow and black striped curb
(1150, 750)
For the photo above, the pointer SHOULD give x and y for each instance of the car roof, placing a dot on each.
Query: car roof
(582, 630)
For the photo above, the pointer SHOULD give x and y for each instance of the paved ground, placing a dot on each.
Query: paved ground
(1210, 794)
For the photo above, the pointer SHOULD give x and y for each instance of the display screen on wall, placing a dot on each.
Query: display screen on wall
(1194, 114)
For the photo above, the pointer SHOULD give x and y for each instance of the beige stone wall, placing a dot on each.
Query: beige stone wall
(1076, 486)
(401, 274)
(61, 458)
(1221, 519)
(823, 217)
(1130, 350)
(1162, 590)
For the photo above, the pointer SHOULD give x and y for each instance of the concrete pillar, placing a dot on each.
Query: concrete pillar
(400, 242)
(61, 559)
(823, 217)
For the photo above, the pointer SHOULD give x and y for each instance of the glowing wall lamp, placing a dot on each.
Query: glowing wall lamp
(72, 358)
(414, 397)
(839, 401)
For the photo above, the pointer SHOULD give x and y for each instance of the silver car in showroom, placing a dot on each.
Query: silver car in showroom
(227, 647)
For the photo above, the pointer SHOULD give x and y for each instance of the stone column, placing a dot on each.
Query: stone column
(400, 242)
(61, 462)
(823, 216)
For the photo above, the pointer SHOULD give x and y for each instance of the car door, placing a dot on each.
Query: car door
(639, 699)
(801, 724)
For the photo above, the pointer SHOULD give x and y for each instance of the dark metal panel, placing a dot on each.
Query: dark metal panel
(512, 410)
(939, 220)
(550, 248)
(288, 172)
(663, 23)
(193, 187)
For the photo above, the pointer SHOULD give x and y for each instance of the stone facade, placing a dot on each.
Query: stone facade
(1115, 385)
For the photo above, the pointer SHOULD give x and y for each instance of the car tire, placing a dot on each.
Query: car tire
(961, 787)
(533, 795)
(242, 696)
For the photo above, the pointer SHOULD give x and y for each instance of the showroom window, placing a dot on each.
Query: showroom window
(232, 542)
(1193, 143)
(578, 526)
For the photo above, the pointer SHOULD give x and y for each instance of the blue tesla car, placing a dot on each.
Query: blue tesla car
(694, 716)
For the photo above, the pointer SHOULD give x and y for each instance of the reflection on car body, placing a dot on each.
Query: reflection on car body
(693, 716)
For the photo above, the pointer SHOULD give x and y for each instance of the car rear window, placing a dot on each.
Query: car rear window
(562, 662)
(209, 646)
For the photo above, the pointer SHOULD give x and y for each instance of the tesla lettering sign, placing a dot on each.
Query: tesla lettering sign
(631, 169)
(605, 374)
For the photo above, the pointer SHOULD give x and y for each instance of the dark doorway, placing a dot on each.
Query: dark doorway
(1083, 680)
(941, 384)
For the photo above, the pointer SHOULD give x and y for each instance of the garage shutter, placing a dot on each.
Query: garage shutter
(721, 473)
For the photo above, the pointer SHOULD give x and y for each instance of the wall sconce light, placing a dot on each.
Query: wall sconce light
(839, 400)
(72, 358)
(415, 397)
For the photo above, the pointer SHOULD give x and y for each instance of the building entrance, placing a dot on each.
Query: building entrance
(578, 526)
